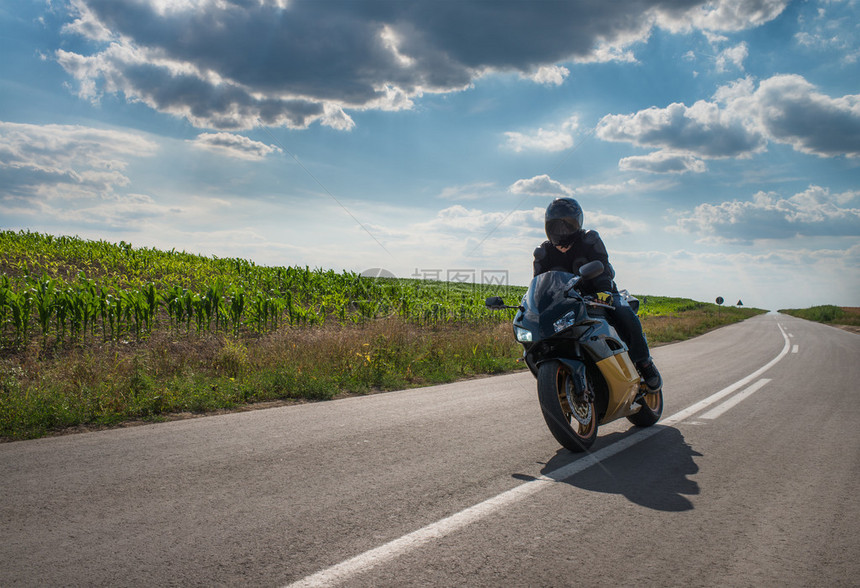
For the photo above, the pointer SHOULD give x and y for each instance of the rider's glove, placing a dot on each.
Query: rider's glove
(605, 297)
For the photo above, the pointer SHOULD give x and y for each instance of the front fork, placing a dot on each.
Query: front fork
(582, 392)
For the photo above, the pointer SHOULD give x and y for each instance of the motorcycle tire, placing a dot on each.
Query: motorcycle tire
(574, 425)
(652, 409)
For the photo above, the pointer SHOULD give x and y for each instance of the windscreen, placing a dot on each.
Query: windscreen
(547, 290)
(545, 302)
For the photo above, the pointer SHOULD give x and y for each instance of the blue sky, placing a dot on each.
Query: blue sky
(715, 146)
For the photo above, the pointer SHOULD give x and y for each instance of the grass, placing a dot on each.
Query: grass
(111, 383)
(834, 315)
(108, 383)
(667, 319)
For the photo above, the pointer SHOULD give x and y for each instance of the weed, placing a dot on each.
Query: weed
(828, 314)
(232, 359)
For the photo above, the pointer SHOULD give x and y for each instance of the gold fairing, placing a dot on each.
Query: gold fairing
(623, 382)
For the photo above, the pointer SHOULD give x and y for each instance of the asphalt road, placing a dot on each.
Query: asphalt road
(750, 479)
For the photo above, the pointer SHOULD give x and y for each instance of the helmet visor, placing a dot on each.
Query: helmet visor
(560, 232)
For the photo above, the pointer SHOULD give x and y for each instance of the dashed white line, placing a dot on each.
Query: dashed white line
(734, 400)
(714, 398)
(372, 558)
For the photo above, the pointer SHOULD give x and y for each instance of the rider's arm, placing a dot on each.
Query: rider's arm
(543, 257)
(597, 251)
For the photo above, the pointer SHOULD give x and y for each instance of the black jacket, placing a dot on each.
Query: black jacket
(587, 247)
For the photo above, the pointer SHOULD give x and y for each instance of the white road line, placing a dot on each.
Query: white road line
(714, 398)
(795, 349)
(369, 559)
(734, 400)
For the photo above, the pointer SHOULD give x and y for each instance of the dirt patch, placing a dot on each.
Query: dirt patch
(850, 328)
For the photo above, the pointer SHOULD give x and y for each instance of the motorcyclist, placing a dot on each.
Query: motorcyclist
(569, 247)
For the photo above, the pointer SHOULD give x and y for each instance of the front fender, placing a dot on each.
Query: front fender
(577, 371)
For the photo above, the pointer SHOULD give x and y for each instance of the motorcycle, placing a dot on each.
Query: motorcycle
(585, 377)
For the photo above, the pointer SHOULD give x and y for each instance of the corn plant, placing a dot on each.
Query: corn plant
(21, 304)
(45, 303)
(237, 307)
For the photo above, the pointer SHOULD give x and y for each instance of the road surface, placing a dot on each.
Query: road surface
(750, 479)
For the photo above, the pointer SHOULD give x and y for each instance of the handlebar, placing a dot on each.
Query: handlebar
(591, 301)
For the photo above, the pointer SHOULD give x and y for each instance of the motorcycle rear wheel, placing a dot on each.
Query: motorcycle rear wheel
(572, 423)
(652, 409)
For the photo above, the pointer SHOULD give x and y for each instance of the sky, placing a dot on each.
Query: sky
(714, 145)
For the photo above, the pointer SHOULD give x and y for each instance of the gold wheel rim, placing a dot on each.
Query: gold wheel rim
(654, 401)
(584, 410)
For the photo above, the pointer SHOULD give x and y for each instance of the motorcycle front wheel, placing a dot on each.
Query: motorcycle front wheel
(571, 420)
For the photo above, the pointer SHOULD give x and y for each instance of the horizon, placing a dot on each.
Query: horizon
(715, 146)
(488, 284)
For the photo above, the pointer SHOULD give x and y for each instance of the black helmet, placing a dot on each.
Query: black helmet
(563, 221)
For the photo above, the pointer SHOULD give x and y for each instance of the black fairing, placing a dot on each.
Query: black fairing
(546, 302)
(550, 297)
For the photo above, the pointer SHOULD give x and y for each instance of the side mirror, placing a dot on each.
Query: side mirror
(591, 270)
(495, 303)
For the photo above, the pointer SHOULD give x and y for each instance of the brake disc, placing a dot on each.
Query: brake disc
(580, 408)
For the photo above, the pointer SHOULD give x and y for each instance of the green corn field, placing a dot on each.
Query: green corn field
(65, 290)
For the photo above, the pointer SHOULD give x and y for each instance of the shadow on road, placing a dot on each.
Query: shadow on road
(653, 473)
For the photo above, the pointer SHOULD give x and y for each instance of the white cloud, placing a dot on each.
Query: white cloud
(812, 213)
(457, 221)
(541, 185)
(714, 38)
(119, 212)
(551, 75)
(545, 186)
(610, 224)
(73, 176)
(87, 24)
(336, 118)
(703, 129)
(626, 187)
(739, 89)
(721, 15)
(463, 237)
(554, 139)
(792, 111)
(663, 162)
(63, 144)
(833, 31)
(232, 145)
(741, 120)
(475, 191)
(734, 56)
(605, 53)
(62, 161)
(723, 58)
(540, 140)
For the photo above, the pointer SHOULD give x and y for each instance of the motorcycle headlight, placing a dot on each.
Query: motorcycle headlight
(523, 335)
(564, 322)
